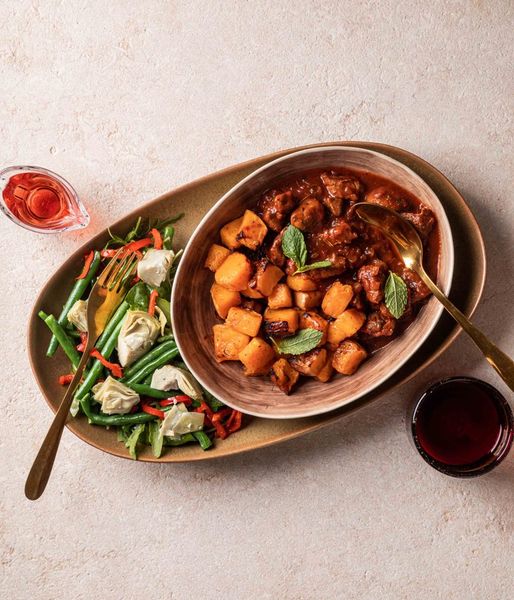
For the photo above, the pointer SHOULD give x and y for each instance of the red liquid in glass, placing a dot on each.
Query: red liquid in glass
(38, 200)
(459, 423)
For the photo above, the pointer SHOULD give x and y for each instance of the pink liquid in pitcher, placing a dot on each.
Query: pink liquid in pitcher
(41, 200)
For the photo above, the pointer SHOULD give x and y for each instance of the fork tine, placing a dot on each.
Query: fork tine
(123, 272)
(113, 275)
(106, 272)
(129, 273)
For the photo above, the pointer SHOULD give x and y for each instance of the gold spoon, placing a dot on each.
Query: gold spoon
(409, 245)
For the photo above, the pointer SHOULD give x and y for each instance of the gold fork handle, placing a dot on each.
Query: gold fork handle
(502, 363)
(42, 466)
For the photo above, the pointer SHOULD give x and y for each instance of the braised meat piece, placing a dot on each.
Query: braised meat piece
(251, 305)
(338, 232)
(275, 208)
(372, 277)
(417, 289)
(423, 220)
(274, 252)
(339, 189)
(380, 323)
(309, 215)
(387, 197)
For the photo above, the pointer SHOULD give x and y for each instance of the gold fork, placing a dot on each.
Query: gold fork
(105, 297)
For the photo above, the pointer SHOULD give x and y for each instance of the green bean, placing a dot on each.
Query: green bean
(146, 390)
(147, 358)
(203, 439)
(165, 338)
(112, 324)
(76, 294)
(148, 379)
(62, 338)
(184, 439)
(112, 420)
(167, 237)
(96, 369)
(152, 366)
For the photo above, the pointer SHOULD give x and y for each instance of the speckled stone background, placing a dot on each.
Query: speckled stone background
(129, 99)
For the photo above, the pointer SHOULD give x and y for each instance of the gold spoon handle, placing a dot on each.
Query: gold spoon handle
(503, 364)
(43, 463)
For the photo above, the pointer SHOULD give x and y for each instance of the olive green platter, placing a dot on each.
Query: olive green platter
(194, 199)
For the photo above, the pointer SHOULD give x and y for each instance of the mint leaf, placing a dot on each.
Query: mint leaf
(294, 247)
(317, 265)
(395, 295)
(303, 341)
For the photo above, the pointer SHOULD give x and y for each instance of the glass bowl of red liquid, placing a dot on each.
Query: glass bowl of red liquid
(462, 426)
(40, 200)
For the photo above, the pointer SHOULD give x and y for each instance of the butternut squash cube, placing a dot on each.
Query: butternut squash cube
(326, 371)
(301, 283)
(281, 322)
(348, 357)
(280, 297)
(267, 275)
(336, 299)
(284, 376)
(235, 272)
(244, 321)
(308, 300)
(224, 299)
(252, 293)
(309, 363)
(346, 325)
(253, 230)
(311, 320)
(229, 233)
(215, 257)
(257, 357)
(228, 343)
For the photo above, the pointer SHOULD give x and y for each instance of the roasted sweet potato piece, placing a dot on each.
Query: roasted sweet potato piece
(348, 357)
(280, 322)
(215, 257)
(235, 272)
(224, 299)
(309, 363)
(311, 320)
(280, 297)
(284, 376)
(301, 283)
(257, 357)
(326, 371)
(229, 233)
(228, 343)
(244, 321)
(267, 275)
(346, 325)
(308, 300)
(253, 230)
(336, 299)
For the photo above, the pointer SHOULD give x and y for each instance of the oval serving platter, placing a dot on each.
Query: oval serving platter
(195, 199)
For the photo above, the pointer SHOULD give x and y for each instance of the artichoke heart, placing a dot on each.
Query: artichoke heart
(154, 266)
(137, 335)
(179, 421)
(77, 315)
(115, 397)
(173, 378)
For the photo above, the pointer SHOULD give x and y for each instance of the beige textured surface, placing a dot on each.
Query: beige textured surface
(128, 99)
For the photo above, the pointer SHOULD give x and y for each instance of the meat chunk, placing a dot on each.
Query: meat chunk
(387, 197)
(309, 215)
(417, 289)
(274, 252)
(275, 207)
(339, 232)
(339, 189)
(423, 221)
(372, 278)
(380, 323)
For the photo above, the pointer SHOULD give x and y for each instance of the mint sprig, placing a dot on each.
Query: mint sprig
(303, 341)
(395, 295)
(295, 248)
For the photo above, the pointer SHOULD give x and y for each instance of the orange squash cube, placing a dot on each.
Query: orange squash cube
(336, 299)
(257, 357)
(348, 357)
(228, 343)
(252, 231)
(267, 275)
(229, 233)
(280, 297)
(235, 272)
(284, 376)
(346, 325)
(244, 321)
(224, 299)
(215, 257)
(311, 320)
(280, 322)
(301, 283)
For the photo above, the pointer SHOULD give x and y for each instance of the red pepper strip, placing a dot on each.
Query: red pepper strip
(235, 421)
(216, 421)
(169, 401)
(137, 245)
(152, 301)
(205, 408)
(87, 264)
(65, 379)
(114, 368)
(83, 341)
(152, 411)
(157, 239)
